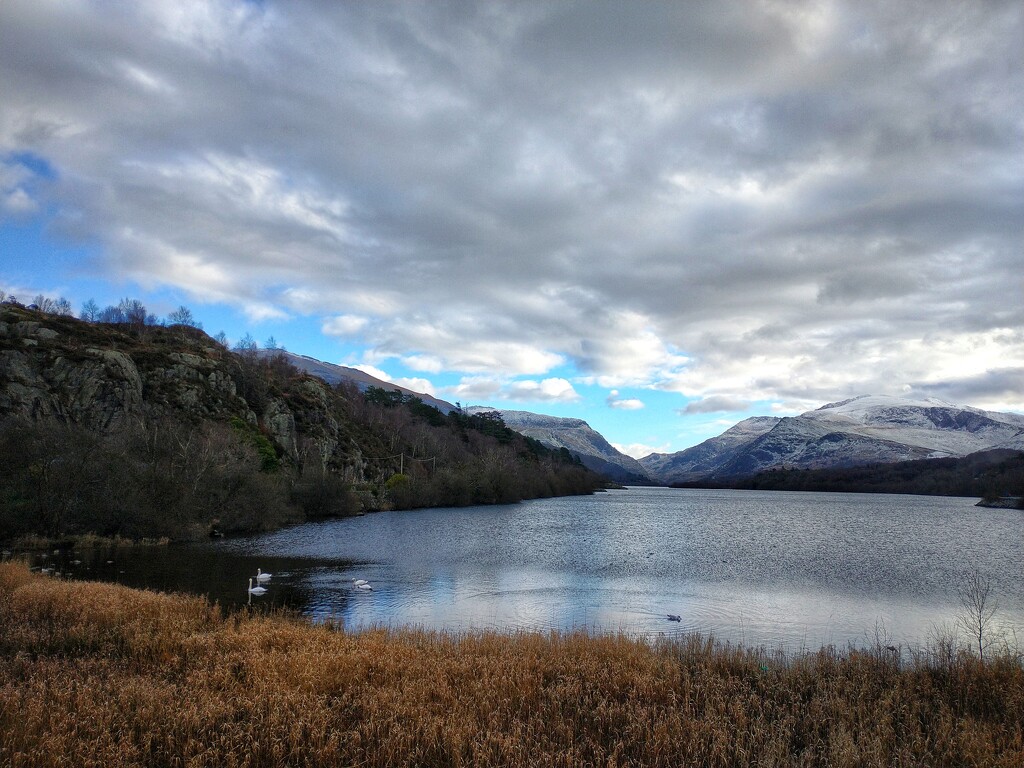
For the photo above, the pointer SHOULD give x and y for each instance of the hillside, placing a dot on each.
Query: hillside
(144, 430)
(341, 374)
(580, 439)
(704, 460)
(986, 474)
(860, 431)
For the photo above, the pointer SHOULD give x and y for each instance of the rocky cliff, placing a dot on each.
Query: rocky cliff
(102, 377)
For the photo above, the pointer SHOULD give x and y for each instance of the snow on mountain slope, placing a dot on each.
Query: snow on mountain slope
(943, 428)
(578, 437)
(863, 430)
(704, 459)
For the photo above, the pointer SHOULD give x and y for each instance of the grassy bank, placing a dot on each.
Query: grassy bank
(96, 674)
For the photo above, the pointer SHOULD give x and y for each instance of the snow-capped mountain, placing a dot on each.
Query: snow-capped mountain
(578, 437)
(863, 430)
(705, 459)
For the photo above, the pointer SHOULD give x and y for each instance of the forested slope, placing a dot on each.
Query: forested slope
(987, 474)
(139, 429)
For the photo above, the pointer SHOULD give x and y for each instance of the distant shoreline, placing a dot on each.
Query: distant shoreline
(1003, 502)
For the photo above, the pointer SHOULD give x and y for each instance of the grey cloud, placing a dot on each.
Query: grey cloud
(815, 184)
(716, 404)
(996, 385)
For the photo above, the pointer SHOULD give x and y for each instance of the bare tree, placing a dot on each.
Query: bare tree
(110, 314)
(978, 609)
(246, 345)
(133, 311)
(182, 316)
(43, 303)
(90, 311)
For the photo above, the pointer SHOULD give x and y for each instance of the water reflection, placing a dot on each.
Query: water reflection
(758, 568)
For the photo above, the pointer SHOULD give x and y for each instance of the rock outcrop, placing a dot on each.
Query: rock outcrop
(102, 376)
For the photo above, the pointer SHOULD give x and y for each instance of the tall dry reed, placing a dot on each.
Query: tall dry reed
(101, 675)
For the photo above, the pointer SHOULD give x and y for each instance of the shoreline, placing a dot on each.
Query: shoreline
(119, 677)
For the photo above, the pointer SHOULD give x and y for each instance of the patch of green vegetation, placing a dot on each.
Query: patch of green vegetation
(269, 460)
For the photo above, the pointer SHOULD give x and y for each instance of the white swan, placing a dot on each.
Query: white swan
(359, 582)
(262, 577)
(257, 590)
(364, 586)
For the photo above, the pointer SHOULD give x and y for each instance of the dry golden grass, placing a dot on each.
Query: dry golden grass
(101, 675)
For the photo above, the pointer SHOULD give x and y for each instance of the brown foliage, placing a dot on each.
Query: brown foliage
(95, 674)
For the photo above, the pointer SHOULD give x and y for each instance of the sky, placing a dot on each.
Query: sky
(662, 218)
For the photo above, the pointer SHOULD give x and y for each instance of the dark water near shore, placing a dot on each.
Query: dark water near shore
(761, 568)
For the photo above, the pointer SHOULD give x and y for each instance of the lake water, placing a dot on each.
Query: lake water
(762, 568)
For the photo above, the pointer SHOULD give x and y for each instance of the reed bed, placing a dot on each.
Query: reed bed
(102, 675)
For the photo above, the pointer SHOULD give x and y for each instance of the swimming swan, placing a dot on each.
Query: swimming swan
(362, 584)
(262, 577)
(257, 590)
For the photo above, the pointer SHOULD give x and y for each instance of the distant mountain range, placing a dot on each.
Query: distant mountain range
(871, 429)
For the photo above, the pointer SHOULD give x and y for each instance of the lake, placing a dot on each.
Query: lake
(779, 569)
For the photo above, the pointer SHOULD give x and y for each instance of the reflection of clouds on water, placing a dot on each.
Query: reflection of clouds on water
(538, 601)
(758, 568)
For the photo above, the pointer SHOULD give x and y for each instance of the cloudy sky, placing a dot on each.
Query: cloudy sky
(660, 217)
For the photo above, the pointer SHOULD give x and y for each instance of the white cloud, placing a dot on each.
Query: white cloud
(475, 389)
(425, 363)
(548, 390)
(416, 385)
(344, 325)
(624, 404)
(260, 312)
(482, 388)
(799, 204)
(640, 450)
(14, 197)
(377, 373)
(18, 202)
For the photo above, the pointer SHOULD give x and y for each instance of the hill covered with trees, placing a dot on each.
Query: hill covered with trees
(125, 425)
(986, 474)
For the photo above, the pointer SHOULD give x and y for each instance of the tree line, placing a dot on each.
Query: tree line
(986, 474)
(130, 312)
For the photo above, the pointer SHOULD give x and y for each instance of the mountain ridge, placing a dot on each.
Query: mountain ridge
(579, 438)
(866, 429)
